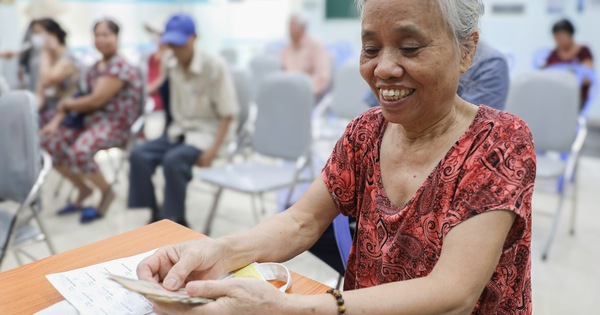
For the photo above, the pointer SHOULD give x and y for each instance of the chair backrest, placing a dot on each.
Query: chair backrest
(19, 145)
(283, 121)
(348, 92)
(262, 66)
(230, 55)
(548, 101)
(242, 80)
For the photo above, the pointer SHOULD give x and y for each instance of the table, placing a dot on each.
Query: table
(25, 290)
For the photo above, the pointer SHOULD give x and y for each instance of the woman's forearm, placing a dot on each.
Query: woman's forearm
(285, 235)
(277, 239)
(423, 296)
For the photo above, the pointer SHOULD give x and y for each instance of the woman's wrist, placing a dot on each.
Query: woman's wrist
(234, 253)
(321, 304)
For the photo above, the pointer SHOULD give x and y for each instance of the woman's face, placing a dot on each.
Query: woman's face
(105, 40)
(563, 39)
(409, 59)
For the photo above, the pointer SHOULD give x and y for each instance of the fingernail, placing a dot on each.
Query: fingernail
(171, 283)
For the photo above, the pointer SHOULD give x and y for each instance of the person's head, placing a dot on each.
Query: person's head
(414, 52)
(180, 36)
(298, 25)
(106, 37)
(563, 32)
(47, 32)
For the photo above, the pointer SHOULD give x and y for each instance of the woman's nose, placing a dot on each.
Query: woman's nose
(389, 66)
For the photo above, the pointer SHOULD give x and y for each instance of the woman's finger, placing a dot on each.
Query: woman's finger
(210, 289)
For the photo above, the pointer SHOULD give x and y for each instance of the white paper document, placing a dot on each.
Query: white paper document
(90, 290)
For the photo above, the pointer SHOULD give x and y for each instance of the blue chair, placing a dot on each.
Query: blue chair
(343, 238)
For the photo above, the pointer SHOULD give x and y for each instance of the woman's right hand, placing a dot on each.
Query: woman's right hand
(175, 265)
(51, 128)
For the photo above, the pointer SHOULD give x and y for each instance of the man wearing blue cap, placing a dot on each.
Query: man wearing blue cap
(202, 107)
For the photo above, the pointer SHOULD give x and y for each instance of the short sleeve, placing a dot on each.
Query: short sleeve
(500, 175)
(120, 69)
(224, 96)
(585, 54)
(339, 174)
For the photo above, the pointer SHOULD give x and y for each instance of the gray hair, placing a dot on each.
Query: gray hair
(461, 16)
(300, 18)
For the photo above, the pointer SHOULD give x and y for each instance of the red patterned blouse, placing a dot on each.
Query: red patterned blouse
(491, 167)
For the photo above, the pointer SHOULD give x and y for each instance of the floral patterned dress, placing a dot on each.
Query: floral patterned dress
(105, 128)
(491, 167)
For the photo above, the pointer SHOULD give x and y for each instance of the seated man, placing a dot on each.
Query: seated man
(202, 106)
(306, 54)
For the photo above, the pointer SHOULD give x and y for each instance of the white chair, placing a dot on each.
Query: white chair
(242, 81)
(345, 102)
(21, 161)
(282, 131)
(548, 101)
(230, 55)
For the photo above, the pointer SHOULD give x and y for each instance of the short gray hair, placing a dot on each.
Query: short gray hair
(461, 16)
(300, 18)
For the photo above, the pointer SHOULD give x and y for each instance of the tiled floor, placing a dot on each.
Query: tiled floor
(569, 283)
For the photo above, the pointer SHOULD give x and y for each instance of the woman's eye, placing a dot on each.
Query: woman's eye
(410, 50)
(370, 51)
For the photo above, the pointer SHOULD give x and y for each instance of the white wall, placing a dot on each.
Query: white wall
(521, 35)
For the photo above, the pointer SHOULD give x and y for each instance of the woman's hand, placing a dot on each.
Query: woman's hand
(177, 264)
(234, 296)
(65, 105)
(51, 128)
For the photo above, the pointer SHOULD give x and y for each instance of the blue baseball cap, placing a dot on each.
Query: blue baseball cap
(178, 30)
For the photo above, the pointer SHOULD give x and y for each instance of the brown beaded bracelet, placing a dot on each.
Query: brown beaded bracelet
(340, 301)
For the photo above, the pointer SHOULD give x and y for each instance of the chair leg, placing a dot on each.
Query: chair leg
(575, 201)
(254, 209)
(263, 209)
(61, 181)
(339, 283)
(42, 227)
(554, 227)
(213, 211)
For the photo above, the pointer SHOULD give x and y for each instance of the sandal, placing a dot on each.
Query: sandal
(68, 209)
(89, 214)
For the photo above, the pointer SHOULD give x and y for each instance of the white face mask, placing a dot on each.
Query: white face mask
(37, 41)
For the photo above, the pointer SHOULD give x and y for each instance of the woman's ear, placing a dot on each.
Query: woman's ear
(469, 51)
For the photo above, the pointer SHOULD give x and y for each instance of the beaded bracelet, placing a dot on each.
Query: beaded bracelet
(340, 301)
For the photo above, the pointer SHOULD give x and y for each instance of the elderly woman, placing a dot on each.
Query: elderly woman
(441, 190)
(98, 120)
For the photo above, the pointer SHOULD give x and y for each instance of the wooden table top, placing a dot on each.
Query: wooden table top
(25, 290)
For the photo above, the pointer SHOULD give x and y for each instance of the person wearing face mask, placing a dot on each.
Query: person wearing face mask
(58, 72)
(98, 120)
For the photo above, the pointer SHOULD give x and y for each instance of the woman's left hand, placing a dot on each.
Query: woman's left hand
(64, 105)
(233, 296)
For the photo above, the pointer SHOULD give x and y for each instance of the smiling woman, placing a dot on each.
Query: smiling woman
(441, 190)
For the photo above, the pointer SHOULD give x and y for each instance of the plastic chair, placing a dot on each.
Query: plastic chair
(230, 55)
(345, 102)
(20, 161)
(282, 131)
(261, 67)
(242, 81)
(548, 101)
